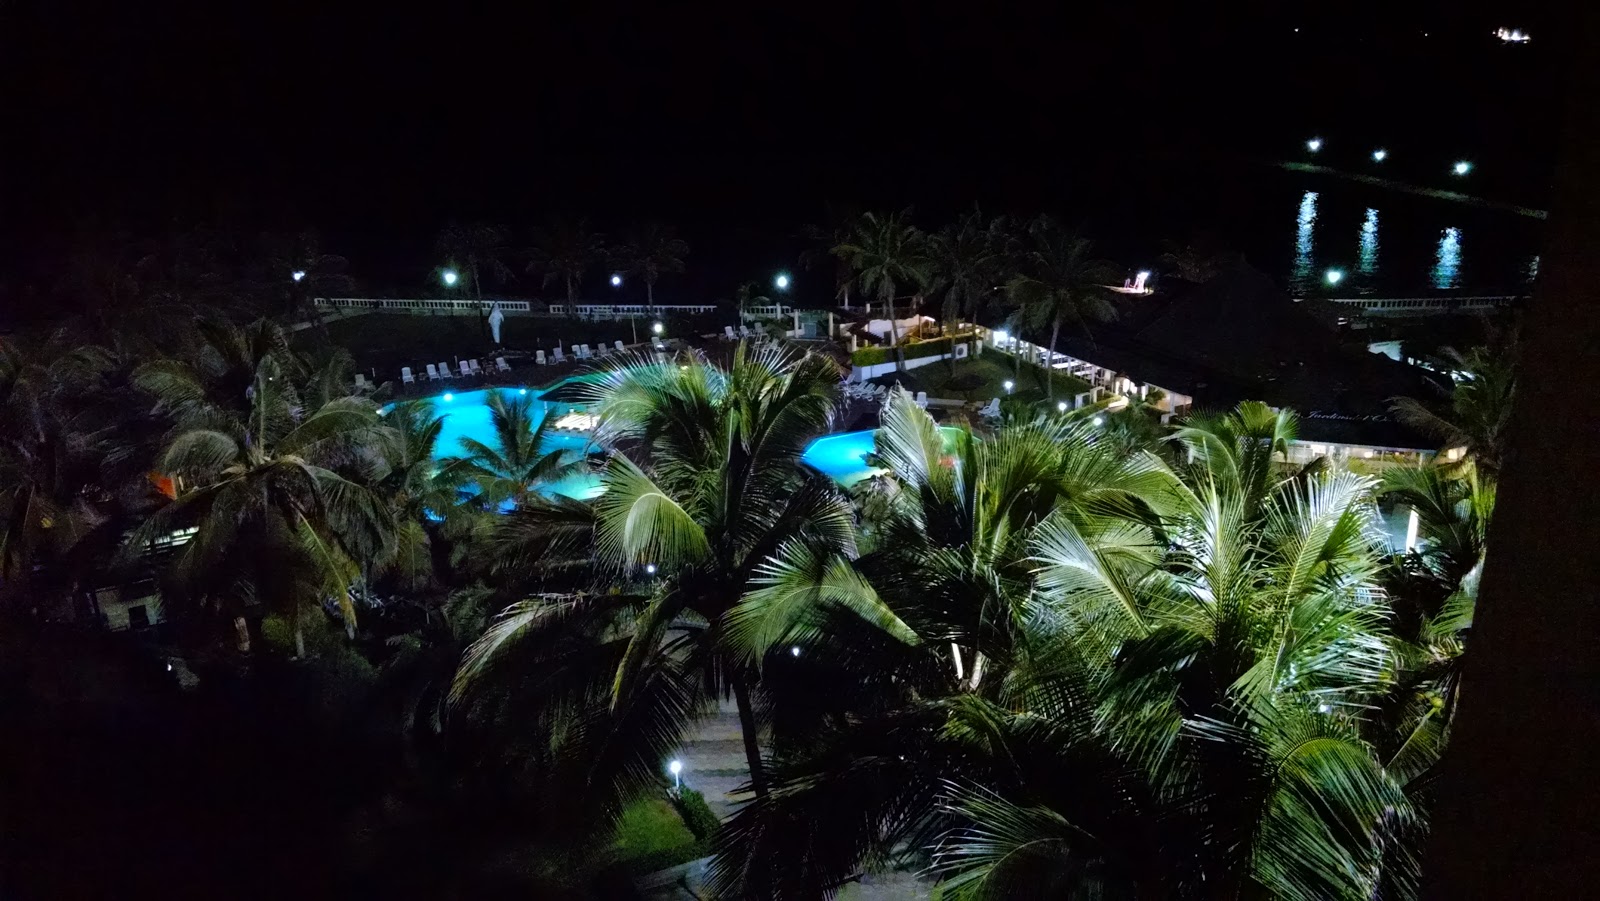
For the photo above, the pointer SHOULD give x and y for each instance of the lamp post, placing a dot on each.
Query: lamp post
(781, 281)
(676, 769)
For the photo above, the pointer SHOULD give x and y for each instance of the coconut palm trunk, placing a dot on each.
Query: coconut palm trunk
(749, 734)
(1049, 361)
(894, 333)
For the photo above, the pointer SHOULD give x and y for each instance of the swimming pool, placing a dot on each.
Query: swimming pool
(843, 457)
(466, 415)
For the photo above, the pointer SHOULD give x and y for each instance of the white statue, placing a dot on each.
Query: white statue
(495, 318)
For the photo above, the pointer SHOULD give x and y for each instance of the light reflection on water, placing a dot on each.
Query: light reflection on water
(1447, 262)
(1367, 260)
(1305, 223)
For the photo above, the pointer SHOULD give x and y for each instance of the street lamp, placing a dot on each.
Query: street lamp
(1314, 144)
(1462, 168)
(676, 769)
(782, 281)
(1379, 155)
(298, 274)
(449, 278)
(657, 327)
(1009, 385)
(1334, 276)
(1061, 406)
(616, 280)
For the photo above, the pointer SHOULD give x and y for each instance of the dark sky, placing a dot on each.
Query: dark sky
(377, 122)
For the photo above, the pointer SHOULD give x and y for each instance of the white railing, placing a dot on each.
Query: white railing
(1411, 306)
(770, 311)
(450, 305)
(631, 310)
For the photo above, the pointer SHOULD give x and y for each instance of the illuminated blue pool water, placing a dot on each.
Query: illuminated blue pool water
(843, 457)
(466, 415)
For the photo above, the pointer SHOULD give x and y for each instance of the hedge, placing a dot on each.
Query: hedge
(872, 356)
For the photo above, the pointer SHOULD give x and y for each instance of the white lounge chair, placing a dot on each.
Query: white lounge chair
(658, 344)
(559, 358)
(361, 382)
(433, 373)
(445, 371)
(744, 330)
(538, 360)
(406, 378)
(580, 352)
(922, 399)
(991, 410)
(602, 352)
(620, 347)
(727, 331)
(473, 365)
(501, 364)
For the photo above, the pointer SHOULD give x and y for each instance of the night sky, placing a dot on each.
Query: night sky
(375, 124)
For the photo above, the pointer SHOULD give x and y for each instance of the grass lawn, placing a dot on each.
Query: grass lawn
(982, 378)
(651, 836)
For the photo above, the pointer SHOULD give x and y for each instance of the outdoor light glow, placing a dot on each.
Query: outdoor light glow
(522, 391)
(449, 397)
(1000, 337)
(449, 277)
(650, 568)
(1334, 276)
(1142, 275)
(657, 327)
(1380, 155)
(1061, 406)
(298, 274)
(675, 767)
(1314, 144)
(1009, 385)
(782, 281)
(616, 281)
(794, 651)
(1463, 167)
(1099, 420)
(169, 667)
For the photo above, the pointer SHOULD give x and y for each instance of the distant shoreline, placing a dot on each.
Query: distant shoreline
(1436, 193)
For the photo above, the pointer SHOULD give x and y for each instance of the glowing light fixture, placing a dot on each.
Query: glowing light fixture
(1099, 420)
(449, 276)
(657, 327)
(616, 281)
(650, 569)
(1334, 276)
(1462, 167)
(1314, 144)
(794, 651)
(449, 397)
(1380, 155)
(1061, 406)
(782, 281)
(298, 274)
(1009, 385)
(522, 391)
(676, 769)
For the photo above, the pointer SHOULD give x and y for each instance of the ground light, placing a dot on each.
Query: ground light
(1462, 168)
(1314, 144)
(449, 276)
(657, 327)
(1334, 276)
(298, 274)
(1009, 385)
(616, 281)
(650, 569)
(449, 397)
(1380, 155)
(676, 769)
(522, 391)
(781, 282)
(794, 651)
(1061, 406)
(1099, 420)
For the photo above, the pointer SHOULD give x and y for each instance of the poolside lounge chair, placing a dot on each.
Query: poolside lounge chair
(361, 382)
(581, 352)
(559, 358)
(991, 410)
(538, 360)
(444, 370)
(433, 373)
(727, 332)
(501, 364)
(620, 348)
(406, 378)
(658, 344)
(603, 352)
(473, 365)
(922, 399)
(744, 330)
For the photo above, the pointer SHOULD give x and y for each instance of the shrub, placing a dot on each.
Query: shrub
(872, 356)
(696, 813)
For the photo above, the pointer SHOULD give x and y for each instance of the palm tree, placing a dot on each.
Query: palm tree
(297, 268)
(278, 494)
(823, 239)
(1480, 406)
(1150, 690)
(1059, 283)
(479, 250)
(705, 484)
(651, 251)
(966, 262)
(423, 494)
(566, 250)
(748, 294)
(887, 253)
(519, 465)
